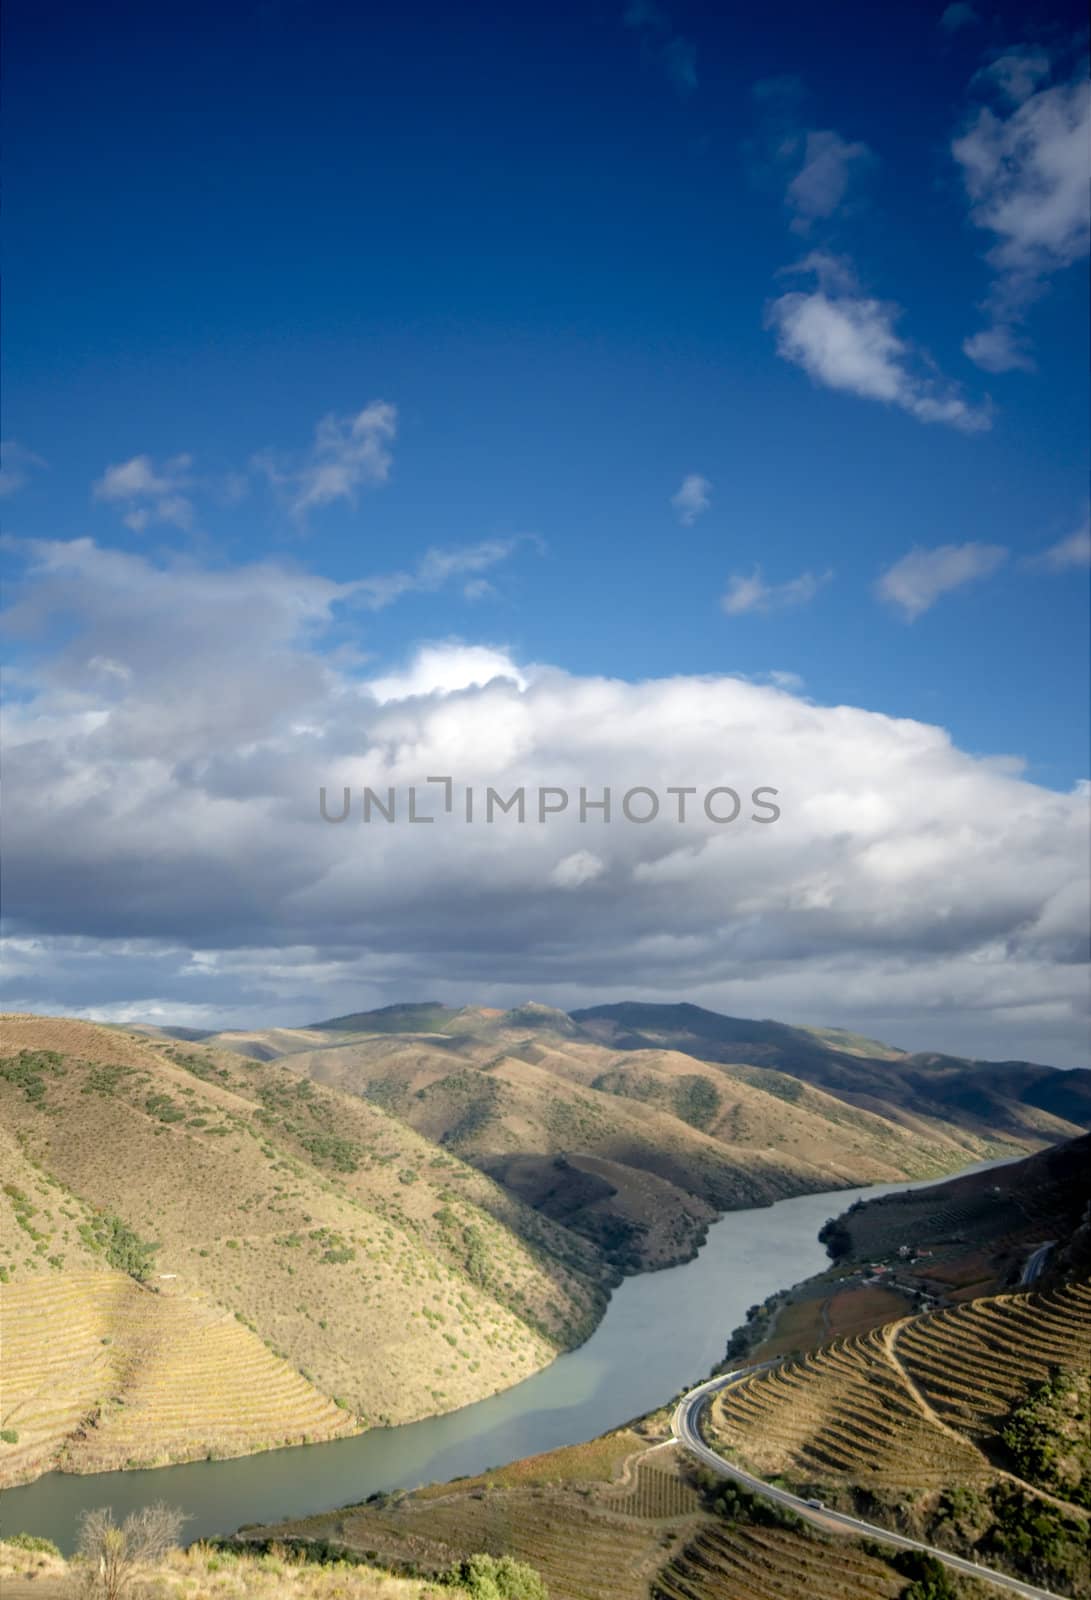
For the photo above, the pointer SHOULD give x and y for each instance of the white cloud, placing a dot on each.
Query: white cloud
(349, 453)
(820, 186)
(958, 15)
(692, 498)
(165, 854)
(999, 348)
(436, 568)
(478, 589)
(444, 669)
(1026, 170)
(583, 866)
(752, 593)
(148, 493)
(1070, 553)
(17, 465)
(844, 340)
(916, 581)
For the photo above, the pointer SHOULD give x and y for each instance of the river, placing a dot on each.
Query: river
(662, 1331)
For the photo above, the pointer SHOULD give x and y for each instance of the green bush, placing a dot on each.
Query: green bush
(33, 1541)
(9, 1435)
(930, 1577)
(497, 1578)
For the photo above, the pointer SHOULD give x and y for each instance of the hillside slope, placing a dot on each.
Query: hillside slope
(635, 1148)
(965, 1426)
(1020, 1100)
(384, 1272)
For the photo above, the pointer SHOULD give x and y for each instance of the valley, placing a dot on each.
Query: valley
(222, 1245)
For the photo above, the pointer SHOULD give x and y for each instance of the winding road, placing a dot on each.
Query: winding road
(686, 1425)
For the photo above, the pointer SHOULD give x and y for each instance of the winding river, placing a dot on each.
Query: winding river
(662, 1331)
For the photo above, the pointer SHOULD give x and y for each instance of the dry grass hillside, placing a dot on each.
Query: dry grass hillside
(206, 1573)
(1021, 1101)
(636, 1150)
(271, 1220)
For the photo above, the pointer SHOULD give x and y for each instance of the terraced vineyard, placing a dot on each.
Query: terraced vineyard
(99, 1371)
(908, 1405)
(974, 1362)
(658, 1493)
(755, 1563)
(582, 1551)
(596, 1520)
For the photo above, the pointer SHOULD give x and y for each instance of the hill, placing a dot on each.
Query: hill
(636, 1142)
(986, 1223)
(966, 1427)
(233, 1257)
(1019, 1099)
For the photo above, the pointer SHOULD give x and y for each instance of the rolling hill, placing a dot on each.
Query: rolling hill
(238, 1258)
(633, 1139)
(1018, 1099)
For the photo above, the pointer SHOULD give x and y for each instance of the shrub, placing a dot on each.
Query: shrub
(497, 1578)
(34, 1542)
(9, 1436)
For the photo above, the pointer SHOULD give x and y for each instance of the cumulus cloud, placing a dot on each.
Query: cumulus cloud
(916, 582)
(145, 493)
(692, 498)
(349, 453)
(672, 52)
(1025, 167)
(16, 465)
(444, 669)
(958, 15)
(819, 187)
(751, 593)
(845, 340)
(166, 857)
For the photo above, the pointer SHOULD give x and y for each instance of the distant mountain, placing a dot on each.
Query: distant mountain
(1014, 1099)
(423, 1016)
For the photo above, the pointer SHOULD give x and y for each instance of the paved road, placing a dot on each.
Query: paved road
(687, 1430)
(1033, 1269)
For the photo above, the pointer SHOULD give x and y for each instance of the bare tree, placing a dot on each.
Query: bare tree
(113, 1552)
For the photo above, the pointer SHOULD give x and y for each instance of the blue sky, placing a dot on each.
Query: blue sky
(680, 342)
